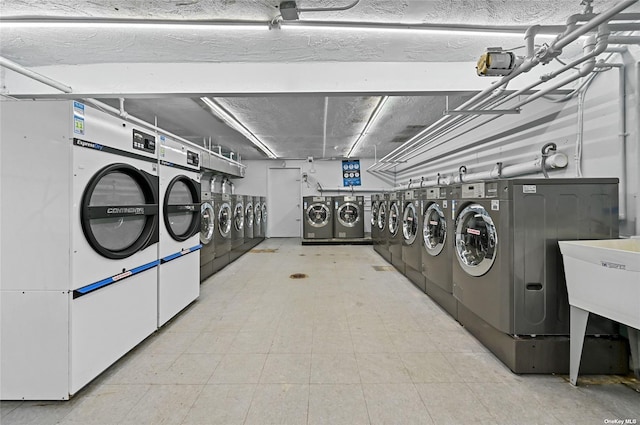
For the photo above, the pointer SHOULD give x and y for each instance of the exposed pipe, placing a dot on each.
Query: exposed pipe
(122, 113)
(212, 183)
(549, 147)
(624, 39)
(329, 9)
(34, 75)
(350, 190)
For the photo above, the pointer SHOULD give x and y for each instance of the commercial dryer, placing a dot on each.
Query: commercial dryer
(249, 228)
(348, 217)
(265, 217)
(237, 228)
(507, 271)
(437, 244)
(207, 229)
(412, 237)
(383, 229)
(394, 223)
(317, 220)
(222, 236)
(258, 235)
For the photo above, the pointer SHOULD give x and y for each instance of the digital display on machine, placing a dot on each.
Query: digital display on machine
(193, 159)
(144, 142)
(351, 172)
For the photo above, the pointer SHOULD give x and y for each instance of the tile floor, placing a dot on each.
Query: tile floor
(347, 345)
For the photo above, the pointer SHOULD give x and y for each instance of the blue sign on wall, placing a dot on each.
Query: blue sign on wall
(351, 172)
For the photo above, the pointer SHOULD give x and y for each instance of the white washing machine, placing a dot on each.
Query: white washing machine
(79, 252)
(178, 275)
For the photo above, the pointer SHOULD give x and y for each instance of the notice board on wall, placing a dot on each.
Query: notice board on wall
(351, 172)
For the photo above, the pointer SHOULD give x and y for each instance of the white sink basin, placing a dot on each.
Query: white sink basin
(603, 277)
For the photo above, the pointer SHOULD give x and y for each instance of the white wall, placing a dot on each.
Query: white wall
(512, 139)
(327, 173)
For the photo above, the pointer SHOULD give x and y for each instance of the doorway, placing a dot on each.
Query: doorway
(283, 200)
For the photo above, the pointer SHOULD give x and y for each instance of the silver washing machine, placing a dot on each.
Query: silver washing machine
(437, 246)
(394, 227)
(207, 233)
(249, 220)
(258, 236)
(317, 217)
(412, 237)
(507, 271)
(375, 232)
(237, 228)
(222, 235)
(348, 217)
(265, 217)
(383, 227)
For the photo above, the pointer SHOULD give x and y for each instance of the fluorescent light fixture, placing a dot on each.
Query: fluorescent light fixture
(367, 126)
(108, 23)
(232, 122)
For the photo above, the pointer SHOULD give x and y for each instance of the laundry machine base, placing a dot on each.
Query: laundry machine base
(236, 253)
(396, 261)
(547, 354)
(206, 270)
(443, 298)
(384, 253)
(220, 262)
(416, 277)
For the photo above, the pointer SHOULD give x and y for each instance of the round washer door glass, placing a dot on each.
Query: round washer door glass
(382, 216)
(248, 215)
(257, 213)
(434, 229)
(348, 214)
(207, 223)
(318, 215)
(119, 211)
(394, 218)
(264, 213)
(476, 240)
(224, 219)
(238, 217)
(374, 213)
(181, 202)
(410, 223)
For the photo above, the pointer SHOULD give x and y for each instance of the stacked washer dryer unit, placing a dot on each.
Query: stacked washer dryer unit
(207, 233)
(237, 228)
(178, 274)
(508, 274)
(317, 222)
(412, 237)
(394, 226)
(437, 242)
(348, 217)
(383, 227)
(223, 215)
(83, 185)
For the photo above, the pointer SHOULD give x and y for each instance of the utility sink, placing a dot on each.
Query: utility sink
(603, 277)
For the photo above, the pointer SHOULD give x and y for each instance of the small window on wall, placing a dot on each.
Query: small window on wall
(351, 172)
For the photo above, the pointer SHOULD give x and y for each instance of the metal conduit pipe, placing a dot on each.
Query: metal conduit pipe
(615, 39)
(531, 61)
(4, 62)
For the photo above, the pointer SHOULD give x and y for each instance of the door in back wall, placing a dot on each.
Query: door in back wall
(283, 203)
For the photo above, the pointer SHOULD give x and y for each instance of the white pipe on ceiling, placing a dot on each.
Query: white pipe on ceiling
(34, 75)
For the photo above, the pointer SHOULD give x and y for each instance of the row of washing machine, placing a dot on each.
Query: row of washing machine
(487, 253)
(100, 247)
(337, 217)
(230, 226)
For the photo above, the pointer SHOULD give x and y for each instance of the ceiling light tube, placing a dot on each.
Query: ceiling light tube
(63, 22)
(373, 117)
(232, 122)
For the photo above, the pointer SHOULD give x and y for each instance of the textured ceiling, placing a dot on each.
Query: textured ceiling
(292, 126)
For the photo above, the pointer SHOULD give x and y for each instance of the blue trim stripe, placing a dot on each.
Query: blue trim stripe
(108, 281)
(180, 254)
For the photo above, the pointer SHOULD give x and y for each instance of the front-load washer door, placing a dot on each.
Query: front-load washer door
(318, 215)
(410, 223)
(181, 202)
(394, 218)
(264, 213)
(382, 216)
(248, 215)
(238, 217)
(476, 240)
(374, 213)
(434, 229)
(224, 220)
(207, 223)
(348, 214)
(119, 211)
(257, 213)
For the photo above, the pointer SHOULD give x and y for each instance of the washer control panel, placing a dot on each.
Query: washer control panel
(473, 190)
(144, 142)
(193, 159)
